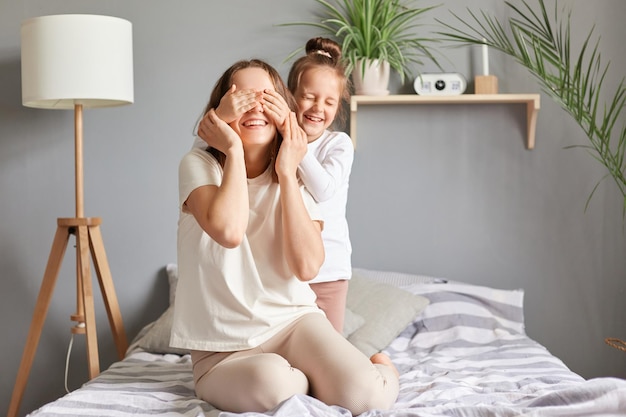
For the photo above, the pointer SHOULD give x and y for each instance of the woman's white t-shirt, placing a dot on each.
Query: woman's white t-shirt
(235, 299)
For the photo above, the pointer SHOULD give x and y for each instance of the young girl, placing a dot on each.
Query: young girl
(249, 239)
(320, 87)
(319, 84)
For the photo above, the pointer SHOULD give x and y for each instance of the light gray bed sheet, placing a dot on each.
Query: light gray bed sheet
(466, 355)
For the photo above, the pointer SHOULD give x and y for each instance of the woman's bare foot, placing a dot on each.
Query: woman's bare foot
(383, 359)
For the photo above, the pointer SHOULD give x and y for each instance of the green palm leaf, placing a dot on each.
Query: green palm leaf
(541, 43)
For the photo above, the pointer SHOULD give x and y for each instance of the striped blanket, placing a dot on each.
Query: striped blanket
(466, 355)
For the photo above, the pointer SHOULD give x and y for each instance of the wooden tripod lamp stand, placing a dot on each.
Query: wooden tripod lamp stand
(73, 62)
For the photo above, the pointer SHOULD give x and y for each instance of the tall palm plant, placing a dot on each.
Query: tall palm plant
(573, 81)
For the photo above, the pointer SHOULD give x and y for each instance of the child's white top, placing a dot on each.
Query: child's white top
(325, 172)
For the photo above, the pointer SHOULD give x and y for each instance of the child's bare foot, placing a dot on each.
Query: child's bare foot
(383, 359)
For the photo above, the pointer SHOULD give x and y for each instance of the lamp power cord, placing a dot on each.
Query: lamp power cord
(67, 358)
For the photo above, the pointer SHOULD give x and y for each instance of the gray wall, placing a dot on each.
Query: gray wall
(448, 191)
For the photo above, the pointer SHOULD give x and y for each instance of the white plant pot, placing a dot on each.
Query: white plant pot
(375, 80)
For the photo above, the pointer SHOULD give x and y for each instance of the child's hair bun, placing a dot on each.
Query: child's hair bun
(324, 46)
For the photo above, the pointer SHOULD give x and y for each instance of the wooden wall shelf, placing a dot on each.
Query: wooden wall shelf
(531, 101)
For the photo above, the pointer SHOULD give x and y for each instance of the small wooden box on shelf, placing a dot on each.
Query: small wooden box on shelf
(486, 84)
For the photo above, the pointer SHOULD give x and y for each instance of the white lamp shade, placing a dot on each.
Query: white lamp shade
(76, 59)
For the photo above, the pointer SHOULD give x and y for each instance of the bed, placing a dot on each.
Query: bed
(461, 350)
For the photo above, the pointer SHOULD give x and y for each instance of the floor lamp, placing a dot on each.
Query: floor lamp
(76, 61)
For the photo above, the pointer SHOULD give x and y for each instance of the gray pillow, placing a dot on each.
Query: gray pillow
(157, 337)
(387, 310)
(351, 322)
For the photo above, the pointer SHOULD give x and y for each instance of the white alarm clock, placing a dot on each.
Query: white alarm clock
(440, 84)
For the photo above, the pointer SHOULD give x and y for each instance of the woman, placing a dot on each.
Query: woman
(320, 87)
(249, 240)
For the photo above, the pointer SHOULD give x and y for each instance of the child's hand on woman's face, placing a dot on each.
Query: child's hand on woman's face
(293, 148)
(237, 102)
(217, 133)
(275, 106)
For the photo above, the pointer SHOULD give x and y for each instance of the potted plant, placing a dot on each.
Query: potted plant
(375, 35)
